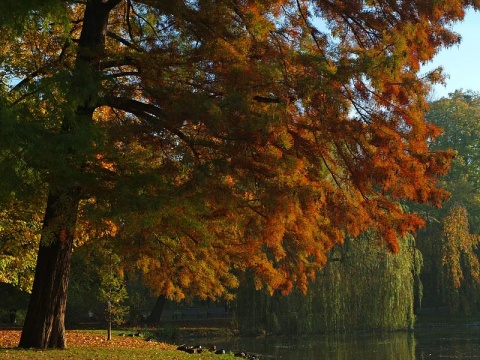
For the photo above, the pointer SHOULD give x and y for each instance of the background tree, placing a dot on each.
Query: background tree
(83, 290)
(113, 291)
(20, 225)
(222, 135)
(459, 117)
(460, 262)
(361, 288)
(448, 242)
(98, 276)
(19, 237)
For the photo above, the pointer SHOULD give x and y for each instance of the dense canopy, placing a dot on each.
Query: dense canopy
(209, 137)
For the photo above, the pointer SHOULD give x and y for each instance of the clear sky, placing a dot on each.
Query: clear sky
(461, 62)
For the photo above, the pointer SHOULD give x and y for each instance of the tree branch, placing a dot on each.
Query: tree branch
(147, 112)
(110, 4)
(264, 99)
(124, 41)
(121, 74)
(116, 63)
(42, 70)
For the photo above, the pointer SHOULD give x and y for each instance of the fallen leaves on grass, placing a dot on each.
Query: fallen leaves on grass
(9, 338)
(79, 338)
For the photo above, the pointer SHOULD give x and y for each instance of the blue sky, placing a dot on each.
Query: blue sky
(461, 62)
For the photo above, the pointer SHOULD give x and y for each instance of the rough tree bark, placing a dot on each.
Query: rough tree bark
(44, 325)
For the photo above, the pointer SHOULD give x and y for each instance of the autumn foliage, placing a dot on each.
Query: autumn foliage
(264, 135)
(459, 247)
(205, 138)
(79, 339)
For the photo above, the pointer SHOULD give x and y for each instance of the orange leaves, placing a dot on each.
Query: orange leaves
(274, 231)
(236, 135)
(391, 239)
(275, 140)
(185, 253)
(95, 229)
(105, 164)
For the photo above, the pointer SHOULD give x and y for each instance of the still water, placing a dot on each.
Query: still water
(453, 343)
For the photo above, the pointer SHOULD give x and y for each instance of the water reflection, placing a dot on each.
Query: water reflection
(457, 343)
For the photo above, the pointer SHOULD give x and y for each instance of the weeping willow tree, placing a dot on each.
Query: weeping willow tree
(450, 240)
(460, 275)
(361, 288)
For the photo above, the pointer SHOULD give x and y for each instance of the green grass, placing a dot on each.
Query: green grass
(107, 354)
(92, 345)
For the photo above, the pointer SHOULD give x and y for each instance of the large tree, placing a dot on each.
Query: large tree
(449, 243)
(209, 137)
(459, 117)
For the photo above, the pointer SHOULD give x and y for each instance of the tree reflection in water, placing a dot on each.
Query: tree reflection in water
(418, 345)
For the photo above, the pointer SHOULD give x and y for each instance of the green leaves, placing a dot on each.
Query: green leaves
(243, 130)
(13, 15)
(459, 116)
(19, 237)
(449, 242)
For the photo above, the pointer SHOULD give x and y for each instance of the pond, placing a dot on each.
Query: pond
(451, 343)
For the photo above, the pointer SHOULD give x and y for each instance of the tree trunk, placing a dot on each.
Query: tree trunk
(156, 314)
(109, 321)
(44, 325)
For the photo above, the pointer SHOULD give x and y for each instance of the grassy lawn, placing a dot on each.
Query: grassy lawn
(90, 344)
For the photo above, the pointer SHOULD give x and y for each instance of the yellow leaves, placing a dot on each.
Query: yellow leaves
(20, 235)
(230, 181)
(148, 264)
(458, 247)
(283, 139)
(185, 280)
(103, 113)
